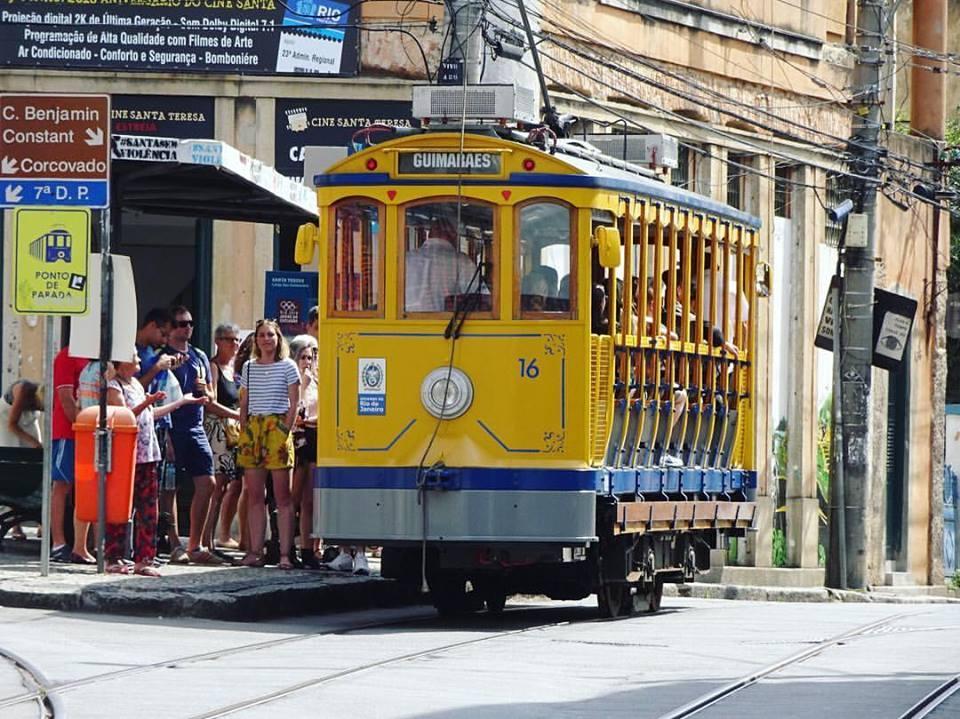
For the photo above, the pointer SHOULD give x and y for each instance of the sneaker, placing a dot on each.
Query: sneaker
(360, 566)
(61, 554)
(179, 555)
(343, 563)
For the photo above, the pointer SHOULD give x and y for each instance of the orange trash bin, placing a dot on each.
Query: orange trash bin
(119, 486)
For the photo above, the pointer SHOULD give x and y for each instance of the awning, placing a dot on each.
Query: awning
(204, 178)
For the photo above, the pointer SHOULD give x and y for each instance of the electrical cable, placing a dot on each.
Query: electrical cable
(421, 466)
(658, 68)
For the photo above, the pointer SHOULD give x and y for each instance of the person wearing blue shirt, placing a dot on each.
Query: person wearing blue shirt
(191, 448)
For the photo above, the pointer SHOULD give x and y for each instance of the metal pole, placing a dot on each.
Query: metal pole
(856, 349)
(106, 340)
(48, 356)
(837, 561)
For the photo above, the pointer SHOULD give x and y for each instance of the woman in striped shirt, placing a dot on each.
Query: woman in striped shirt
(268, 408)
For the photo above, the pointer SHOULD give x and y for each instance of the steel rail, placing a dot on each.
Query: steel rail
(319, 681)
(45, 696)
(934, 699)
(48, 689)
(715, 697)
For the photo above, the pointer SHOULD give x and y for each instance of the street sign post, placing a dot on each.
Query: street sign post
(54, 150)
(51, 253)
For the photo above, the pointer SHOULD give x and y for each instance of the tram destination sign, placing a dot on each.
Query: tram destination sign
(468, 162)
(54, 150)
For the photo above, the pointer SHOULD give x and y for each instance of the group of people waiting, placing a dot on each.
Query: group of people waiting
(240, 424)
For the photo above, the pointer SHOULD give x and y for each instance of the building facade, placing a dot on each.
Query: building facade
(758, 96)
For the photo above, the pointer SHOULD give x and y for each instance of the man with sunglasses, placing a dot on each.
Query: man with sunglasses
(191, 447)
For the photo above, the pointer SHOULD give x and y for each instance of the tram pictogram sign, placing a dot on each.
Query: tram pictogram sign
(54, 150)
(51, 255)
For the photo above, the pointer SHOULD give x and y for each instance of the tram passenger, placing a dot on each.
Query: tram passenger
(679, 405)
(535, 290)
(437, 271)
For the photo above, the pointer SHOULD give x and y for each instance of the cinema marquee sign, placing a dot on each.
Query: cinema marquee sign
(449, 163)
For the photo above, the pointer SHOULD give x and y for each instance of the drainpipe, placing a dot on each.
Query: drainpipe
(927, 86)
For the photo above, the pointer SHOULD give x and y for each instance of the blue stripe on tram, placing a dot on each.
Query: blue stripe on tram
(460, 478)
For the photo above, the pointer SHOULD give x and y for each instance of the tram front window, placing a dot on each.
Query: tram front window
(357, 278)
(546, 270)
(448, 257)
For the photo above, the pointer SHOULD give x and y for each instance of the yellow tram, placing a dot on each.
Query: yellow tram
(523, 389)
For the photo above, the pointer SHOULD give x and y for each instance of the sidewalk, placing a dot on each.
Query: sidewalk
(225, 593)
(242, 594)
(878, 595)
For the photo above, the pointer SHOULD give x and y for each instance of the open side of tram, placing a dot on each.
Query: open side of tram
(536, 371)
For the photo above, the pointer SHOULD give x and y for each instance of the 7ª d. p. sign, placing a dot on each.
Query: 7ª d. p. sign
(50, 260)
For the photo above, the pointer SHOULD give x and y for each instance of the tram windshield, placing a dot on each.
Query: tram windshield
(448, 258)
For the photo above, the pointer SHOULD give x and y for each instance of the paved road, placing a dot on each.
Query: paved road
(538, 660)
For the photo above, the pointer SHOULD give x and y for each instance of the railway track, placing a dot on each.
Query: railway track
(47, 701)
(879, 627)
(44, 689)
(49, 695)
(928, 706)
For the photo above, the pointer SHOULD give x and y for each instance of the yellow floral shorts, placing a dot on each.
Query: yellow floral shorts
(265, 443)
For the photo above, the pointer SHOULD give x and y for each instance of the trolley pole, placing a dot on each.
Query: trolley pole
(858, 256)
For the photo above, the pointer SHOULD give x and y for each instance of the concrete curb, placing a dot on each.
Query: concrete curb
(242, 595)
(794, 594)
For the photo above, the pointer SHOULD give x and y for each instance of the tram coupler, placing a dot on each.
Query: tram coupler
(440, 478)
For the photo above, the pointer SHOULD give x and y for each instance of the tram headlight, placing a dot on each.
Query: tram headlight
(446, 398)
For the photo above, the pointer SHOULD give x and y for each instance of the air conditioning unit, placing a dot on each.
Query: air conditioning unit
(646, 150)
(445, 103)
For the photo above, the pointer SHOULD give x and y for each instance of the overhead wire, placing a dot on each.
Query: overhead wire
(716, 93)
(612, 65)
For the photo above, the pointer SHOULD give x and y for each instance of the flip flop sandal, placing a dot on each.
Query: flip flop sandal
(252, 560)
(117, 568)
(285, 564)
(147, 571)
(202, 556)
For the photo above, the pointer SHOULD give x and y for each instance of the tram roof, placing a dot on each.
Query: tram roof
(616, 179)
(204, 178)
(589, 173)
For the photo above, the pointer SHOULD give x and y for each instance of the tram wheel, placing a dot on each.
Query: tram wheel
(649, 600)
(448, 592)
(614, 600)
(496, 601)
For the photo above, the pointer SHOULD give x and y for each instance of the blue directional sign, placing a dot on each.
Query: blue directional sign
(53, 193)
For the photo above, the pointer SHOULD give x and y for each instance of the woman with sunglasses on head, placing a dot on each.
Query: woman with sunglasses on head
(221, 422)
(268, 409)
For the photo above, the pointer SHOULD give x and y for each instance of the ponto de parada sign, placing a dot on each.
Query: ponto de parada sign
(50, 260)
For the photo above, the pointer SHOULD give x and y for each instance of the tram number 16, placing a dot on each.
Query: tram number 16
(528, 368)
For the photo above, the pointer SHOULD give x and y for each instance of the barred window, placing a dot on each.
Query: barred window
(737, 170)
(783, 190)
